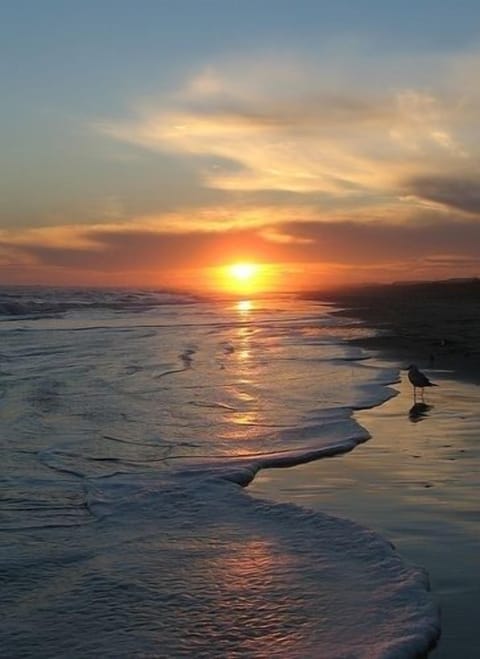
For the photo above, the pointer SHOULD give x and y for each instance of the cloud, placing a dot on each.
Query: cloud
(325, 127)
(340, 164)
(353, 243)
(457, 192)
(352, 250)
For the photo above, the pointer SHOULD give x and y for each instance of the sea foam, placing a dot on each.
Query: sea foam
(127, 432)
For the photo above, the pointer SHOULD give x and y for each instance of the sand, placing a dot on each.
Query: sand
(416, 480)
(436, 325)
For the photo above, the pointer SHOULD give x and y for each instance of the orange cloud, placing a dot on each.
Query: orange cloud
(302, 251)
(319, 166)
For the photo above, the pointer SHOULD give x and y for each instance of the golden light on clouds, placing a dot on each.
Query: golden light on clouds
(286, 128)
(313, 171)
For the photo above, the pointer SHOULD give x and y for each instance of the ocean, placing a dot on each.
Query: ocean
(131, 425)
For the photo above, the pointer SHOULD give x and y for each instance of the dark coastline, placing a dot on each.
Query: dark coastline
(416, 480)
(434, 324)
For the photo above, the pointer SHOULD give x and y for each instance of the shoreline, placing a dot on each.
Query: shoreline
(436, 325)
(415, 481)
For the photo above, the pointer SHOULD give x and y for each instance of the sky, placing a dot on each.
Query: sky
(156, 143)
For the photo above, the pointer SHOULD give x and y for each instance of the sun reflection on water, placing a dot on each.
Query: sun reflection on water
(244, 345)
(244, 306)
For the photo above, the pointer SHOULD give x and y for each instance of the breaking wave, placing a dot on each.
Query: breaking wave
(44, 303)
(126, 451)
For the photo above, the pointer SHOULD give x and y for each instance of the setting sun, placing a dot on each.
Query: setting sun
(243, 278)
(243, 272)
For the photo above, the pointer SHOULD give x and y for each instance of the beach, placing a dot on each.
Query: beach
(232, 235)
(131, 424)
(434, 324)
(416, 480)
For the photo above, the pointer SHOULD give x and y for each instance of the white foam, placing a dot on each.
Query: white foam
(163, 549)
(264, 579)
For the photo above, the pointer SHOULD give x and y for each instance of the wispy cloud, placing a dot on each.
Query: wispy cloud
(343, 164)
(452, 191)
(342, 250)
(328, 128)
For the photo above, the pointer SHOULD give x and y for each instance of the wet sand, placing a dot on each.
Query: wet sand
(416, 480)
(436, 325)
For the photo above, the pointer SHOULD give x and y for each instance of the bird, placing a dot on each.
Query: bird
(418, 379)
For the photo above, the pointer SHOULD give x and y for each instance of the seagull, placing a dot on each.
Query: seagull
(418, 379)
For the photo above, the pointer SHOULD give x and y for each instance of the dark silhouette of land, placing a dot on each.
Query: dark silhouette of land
(434, 324)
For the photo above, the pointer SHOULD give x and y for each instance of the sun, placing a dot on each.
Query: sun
(243, 272)
(242, 278)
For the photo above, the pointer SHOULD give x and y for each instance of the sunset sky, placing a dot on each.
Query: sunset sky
(158, 142)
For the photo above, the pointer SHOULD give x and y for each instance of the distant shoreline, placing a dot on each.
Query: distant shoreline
(435, 324)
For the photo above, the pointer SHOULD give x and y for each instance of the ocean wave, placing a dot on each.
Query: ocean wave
(143, 533)
(264, 579)
(47, 303)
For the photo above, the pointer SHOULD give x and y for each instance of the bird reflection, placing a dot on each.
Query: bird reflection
(419, 412)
